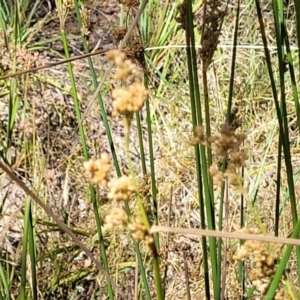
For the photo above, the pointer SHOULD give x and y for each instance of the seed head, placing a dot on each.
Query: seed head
(121, 189)
(116, 218)
(97, 170)
(129, 100)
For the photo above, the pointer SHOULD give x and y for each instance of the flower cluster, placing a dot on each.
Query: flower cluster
(121, 189)
(212, 18)
(97, 170)
(139, 232)
(130, 99)
(126, 69)
(262, 258)
(128, 4)
(227, 144)
(116, 218)
(84, 13)
(118, 33)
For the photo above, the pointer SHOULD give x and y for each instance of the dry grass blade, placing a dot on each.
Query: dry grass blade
(186, 274)
(62, 225)
(230, 235)
(64, 61)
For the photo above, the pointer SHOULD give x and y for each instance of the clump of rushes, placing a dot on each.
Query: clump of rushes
(130, 97)
(227, 144)
(262, 258)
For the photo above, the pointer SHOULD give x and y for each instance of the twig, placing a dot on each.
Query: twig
(230, 235)
(186, 275)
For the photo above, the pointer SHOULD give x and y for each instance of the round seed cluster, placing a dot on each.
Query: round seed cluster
(121, 189)
(263, 258)
(97, 170)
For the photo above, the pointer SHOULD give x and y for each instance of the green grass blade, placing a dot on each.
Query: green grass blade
(282, 265)
(4, 282)
(293, 80)
(22, 295)
(283, 127)
(205, 154)
(297, 11)
(32, 253)
(141, 143)
(278, 187)
(281, 36)
(4, 22)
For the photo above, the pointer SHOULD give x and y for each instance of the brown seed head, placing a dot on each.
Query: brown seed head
(97, 169)
(121, 189)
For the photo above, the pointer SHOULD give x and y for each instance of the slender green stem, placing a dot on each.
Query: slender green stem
(22, 295)
(281, 37)
(283, 125)
(297, 10)
(201, 166)
(278, 185)
(282, 265)
(146, 221)
(142, 209)
(141, 143)
(86, 156)
(152, 167)
(112, 148)
(32, 253)
(3, 277)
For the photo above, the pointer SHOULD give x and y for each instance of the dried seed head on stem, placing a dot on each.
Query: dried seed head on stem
(121, 189)
(117, 217)
(140, 233)
(97, 170)
(128, 99)
(262, 259)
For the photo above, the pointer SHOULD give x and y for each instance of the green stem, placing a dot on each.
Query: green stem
(86, 156)
(146, 221)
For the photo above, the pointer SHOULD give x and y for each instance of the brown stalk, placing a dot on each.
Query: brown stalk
(230, 235)
(186, 275)
(53, 64)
